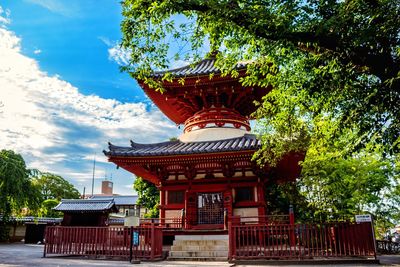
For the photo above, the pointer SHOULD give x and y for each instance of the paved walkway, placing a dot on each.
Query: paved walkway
(17, 254)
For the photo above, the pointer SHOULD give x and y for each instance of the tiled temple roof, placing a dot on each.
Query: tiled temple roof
(86, 205)
(119, 200)
(204, 67)
(247, 142)
(116, 221)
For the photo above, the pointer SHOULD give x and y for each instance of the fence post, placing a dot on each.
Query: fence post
(45, 241)
(153, 245)
(232, 222)
(230, 233)
(183, 219)
(373, 235)
(292, 236)
(131, 244)
(225, 218)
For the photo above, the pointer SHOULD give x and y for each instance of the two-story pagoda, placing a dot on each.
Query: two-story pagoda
(208, 171)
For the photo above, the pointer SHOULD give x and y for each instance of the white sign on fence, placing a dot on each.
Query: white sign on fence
(131, 221)
(363, 218)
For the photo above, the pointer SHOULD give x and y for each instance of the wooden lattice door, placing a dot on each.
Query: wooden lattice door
(210, 208)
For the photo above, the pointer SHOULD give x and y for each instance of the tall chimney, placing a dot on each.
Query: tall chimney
(107, 188)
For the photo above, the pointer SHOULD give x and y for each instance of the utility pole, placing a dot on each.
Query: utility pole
(94, 169)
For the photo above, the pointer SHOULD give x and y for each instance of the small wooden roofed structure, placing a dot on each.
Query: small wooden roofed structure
(125, 204)
(86, 212)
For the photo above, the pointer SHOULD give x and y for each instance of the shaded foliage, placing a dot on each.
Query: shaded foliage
(149, 196)
(16, 188)
(28, 192)
(47, 208)
(280, 197)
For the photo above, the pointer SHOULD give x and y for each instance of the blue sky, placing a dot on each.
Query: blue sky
(73, 38)
(62, 96)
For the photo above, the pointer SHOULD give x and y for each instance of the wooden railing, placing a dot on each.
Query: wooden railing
(104, 241)
(180, 223)
(300, 241)
(166, 223)
(264, 220)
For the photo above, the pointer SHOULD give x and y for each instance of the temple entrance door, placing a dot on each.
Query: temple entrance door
(210, 208)
(191, 211)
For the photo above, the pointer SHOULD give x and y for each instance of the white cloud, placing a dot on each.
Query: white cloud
(106, 41)
(37, 51)
(115, 52)
(4, 16)
(118, 54)
(58, 129)
(121, 55)
(57, 6)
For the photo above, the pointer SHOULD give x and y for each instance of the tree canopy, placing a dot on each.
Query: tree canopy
(21, 187)
(28, 192)
(46, 209)
(334, 65)
(337, 187)
(16, 188)
(149, 196)
(55, 187)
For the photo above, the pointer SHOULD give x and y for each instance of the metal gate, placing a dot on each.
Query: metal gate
(210, 208)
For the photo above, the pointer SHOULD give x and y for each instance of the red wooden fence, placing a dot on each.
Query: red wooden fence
(300, 241)
(103, 241)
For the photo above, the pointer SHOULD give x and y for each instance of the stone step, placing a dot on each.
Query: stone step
(196, 254)
(200, 243)
(223, 260)
(202, 237)
(199, 247)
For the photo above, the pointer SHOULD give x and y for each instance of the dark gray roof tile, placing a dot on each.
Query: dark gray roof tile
(86, 205)
(118, 200)
(204, 67)
(247, 142)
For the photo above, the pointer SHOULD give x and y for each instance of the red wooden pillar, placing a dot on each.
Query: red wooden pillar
(191, 209)
(152, 242)
(261, 203)
(233, 228)
(228, 206)
(292, 235)
(162, 205)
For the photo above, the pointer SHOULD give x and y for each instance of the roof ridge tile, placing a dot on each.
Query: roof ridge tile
(245, 142)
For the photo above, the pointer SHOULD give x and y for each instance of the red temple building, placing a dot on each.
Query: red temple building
(212, 201)
(207, 175)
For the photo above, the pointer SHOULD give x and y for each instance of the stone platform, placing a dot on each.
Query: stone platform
(200, 248)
